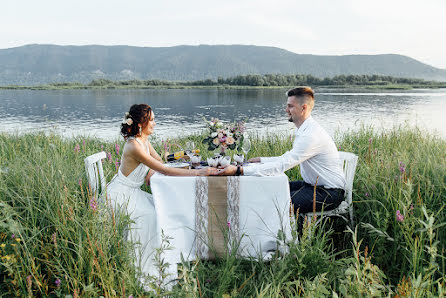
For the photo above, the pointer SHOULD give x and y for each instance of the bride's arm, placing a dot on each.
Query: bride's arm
(148, 176)
(154, 153)
(139, 154)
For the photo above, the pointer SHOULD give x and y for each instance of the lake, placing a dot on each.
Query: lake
(180, 111)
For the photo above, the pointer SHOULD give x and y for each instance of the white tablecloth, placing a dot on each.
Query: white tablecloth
(264, 211)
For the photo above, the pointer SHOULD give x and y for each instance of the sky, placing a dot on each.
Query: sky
(321, 27)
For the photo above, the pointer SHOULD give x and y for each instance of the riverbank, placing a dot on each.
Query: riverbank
(111, 87)
(266, 81)
(54, 242)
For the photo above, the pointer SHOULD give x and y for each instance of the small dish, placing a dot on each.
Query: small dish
(239, 158)
(224, 161)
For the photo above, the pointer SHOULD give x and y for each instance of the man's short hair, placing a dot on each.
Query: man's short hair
(303, 94)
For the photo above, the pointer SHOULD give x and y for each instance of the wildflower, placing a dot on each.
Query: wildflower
(77, 148)
(12, 236)
(402, 167)
(370, 141)
(229, 225)
(109, 157)
(2, 245)
(399, 216)
(131, 296)
(17, 239)
(102, 147)
(208, 281)
(57, 282)
(29, 281)
(411, 207)
(93, 204)
(117, 164)
(367, 194)
(117, 149)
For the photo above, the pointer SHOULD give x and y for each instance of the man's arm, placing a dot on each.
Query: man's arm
(306, 148)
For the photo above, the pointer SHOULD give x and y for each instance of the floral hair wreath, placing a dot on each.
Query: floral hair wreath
(127, 119)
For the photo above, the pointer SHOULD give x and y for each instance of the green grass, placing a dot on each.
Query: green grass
(44, 203)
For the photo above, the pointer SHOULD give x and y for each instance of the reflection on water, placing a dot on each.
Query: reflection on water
(181, 112)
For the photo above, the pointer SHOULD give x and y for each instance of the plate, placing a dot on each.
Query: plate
(177, 165)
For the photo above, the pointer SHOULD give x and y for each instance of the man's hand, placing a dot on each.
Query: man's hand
(254, 159)
(228, 171)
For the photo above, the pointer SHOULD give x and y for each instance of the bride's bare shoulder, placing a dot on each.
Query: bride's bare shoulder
(132, 146)
(131, 142)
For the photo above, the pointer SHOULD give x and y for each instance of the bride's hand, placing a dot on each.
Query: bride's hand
(209, 171)
(149, 174)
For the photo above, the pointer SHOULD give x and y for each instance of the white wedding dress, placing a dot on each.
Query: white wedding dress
(125, 195)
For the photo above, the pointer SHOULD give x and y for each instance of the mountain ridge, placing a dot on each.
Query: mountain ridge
(40, 64)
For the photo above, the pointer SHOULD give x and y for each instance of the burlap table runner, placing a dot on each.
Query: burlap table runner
(217, 201)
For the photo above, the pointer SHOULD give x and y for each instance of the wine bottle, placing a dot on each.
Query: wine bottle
(180, 154)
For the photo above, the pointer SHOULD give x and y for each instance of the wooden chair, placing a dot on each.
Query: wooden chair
(349, 162)
(95, 174)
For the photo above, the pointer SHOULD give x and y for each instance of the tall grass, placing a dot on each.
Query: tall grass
(53, 240)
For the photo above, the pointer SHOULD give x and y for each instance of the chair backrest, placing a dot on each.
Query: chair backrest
(349, 162)
(95, 173)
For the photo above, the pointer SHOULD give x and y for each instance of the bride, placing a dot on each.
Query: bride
(124, 191)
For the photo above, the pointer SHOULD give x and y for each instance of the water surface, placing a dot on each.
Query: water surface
(181, 111)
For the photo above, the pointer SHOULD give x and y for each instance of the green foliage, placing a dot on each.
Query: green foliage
(268, 80)
(67, 247)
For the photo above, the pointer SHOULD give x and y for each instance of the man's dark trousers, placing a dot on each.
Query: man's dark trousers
(302, 194)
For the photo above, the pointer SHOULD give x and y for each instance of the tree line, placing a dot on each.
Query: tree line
(268, 80)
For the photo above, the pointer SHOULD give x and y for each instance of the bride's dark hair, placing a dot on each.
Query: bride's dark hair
(139, 114)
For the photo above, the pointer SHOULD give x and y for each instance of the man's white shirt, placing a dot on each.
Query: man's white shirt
(314, 150)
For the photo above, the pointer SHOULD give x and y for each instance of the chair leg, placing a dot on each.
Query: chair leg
(352, 219)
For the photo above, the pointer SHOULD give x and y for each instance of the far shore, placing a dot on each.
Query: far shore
(89, 87)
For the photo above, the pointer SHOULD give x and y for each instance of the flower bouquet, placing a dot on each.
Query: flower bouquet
(224, 136)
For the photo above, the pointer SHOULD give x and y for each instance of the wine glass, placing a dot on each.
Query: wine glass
(246, 146)
(189, 147)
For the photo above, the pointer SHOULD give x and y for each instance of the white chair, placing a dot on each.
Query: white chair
(95, 174)
(349, 162)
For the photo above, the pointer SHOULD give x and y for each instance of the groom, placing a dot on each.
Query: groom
(313, 149)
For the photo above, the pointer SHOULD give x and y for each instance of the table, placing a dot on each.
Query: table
(263, 210)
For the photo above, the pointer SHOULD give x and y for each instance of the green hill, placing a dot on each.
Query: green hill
(41, 64)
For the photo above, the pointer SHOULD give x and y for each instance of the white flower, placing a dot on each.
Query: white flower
(127, 119)
(216, 142)
(214, 134)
